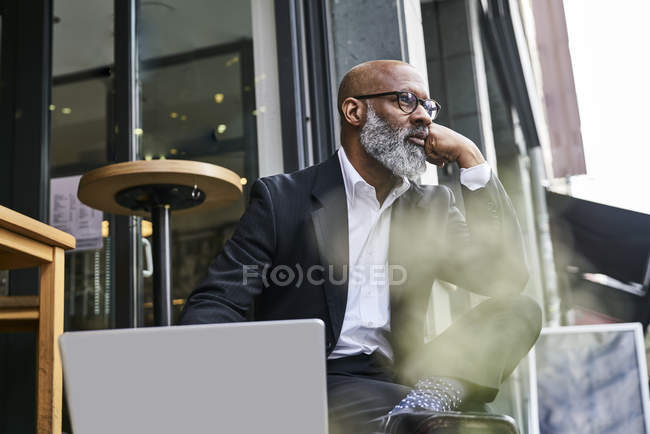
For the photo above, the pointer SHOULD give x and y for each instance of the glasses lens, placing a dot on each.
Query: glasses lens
(407, 102)
(431, 107)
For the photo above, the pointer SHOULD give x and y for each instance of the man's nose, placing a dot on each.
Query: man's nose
(420, 116)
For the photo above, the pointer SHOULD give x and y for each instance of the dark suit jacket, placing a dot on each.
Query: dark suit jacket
(297, 221)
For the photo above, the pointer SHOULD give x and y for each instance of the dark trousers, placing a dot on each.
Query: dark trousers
(481, 348)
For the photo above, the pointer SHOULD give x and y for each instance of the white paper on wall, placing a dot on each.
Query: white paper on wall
(68, 214)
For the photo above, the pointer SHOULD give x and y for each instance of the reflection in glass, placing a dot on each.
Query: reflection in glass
(79, 110)
(198, 103)
(79, 123)
(89, 297)
(4, 282)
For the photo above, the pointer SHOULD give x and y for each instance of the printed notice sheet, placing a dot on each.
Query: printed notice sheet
(70, 215)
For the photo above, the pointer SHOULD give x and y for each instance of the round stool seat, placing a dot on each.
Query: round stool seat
(134, 187)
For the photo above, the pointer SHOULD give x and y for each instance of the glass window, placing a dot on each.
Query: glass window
(208, 82)
(4, 274)
(80, 107)
(78, 116)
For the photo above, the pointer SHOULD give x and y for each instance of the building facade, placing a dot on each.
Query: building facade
(251, 86)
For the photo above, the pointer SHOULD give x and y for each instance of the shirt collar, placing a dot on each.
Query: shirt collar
(352, 179)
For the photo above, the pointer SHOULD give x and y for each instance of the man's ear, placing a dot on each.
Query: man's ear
(354, 111)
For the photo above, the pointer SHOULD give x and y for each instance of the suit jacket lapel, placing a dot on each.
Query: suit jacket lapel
(330, 220)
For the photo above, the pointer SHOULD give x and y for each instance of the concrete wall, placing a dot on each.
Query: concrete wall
(365, 30)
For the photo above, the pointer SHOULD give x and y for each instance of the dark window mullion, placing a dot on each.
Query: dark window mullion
(290, 71)
(320, 79)
(125, 147)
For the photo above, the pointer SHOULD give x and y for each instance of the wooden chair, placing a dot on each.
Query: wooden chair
(25, 243)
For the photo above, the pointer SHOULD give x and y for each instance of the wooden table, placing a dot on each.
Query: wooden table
(25, 243)
(156, 188)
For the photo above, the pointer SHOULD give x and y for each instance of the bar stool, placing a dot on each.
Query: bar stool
(156, 188)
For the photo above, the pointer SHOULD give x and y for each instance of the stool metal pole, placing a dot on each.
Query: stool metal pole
(162, 276)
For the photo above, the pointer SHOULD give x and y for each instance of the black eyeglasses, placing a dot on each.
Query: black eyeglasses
(408, 102)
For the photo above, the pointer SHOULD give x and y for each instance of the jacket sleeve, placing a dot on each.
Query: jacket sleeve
(486, 251)
(235, 277)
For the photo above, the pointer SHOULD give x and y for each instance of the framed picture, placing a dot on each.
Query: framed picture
(589, 379)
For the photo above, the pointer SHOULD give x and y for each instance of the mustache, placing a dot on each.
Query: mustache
(420, 130)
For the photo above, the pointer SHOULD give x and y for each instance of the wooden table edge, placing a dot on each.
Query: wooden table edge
(32, 228)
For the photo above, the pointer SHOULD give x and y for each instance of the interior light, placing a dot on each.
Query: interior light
(244, 181)
(173, 151)
(138, 131)
(52, 107)
(183, 117)
(147, 228)
(147, 157)
(162, 157)
(221, 128)
(254, 112)
(173, 115)
(218, 98)
(66, 110)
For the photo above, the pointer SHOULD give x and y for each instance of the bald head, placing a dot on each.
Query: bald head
(377, 134)
(370, 77)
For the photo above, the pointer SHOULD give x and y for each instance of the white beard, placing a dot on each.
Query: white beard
(390, 146)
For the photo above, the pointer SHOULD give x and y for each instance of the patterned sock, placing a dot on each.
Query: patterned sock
(435, 394)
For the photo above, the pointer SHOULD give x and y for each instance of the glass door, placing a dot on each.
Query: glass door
(80, 109)
(4, 274)
(205, 89)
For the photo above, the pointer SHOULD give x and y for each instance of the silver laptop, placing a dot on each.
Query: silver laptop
(256, 377)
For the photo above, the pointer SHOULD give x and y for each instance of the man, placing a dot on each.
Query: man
(370, 241)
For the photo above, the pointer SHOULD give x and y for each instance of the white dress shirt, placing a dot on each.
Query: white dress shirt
(367, 313)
